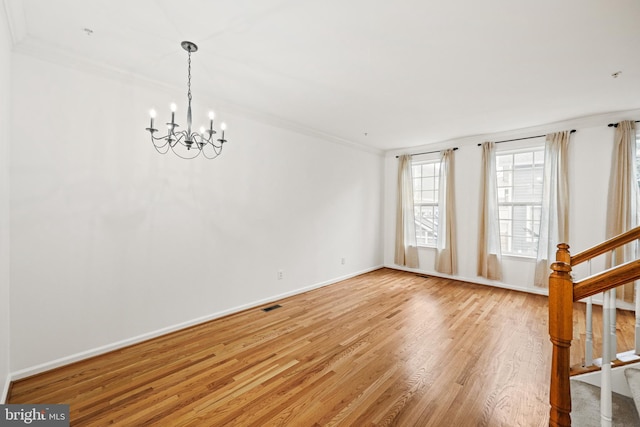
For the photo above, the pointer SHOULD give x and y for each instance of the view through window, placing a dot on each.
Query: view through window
(520, 176)
(426, 175)
(638, 153)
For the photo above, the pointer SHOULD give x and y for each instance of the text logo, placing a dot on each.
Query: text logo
(34, 415)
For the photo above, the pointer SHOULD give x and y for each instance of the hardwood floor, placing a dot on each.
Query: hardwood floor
(384, 348)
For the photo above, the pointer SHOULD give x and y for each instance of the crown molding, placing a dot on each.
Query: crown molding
(16, 19)
(582, 122)
(38, 49)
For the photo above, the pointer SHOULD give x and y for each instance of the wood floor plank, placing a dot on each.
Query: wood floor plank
(387, 348)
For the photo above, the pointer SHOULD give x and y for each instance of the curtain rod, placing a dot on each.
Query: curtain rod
(520, 139)
(430, 152)
(615, 125)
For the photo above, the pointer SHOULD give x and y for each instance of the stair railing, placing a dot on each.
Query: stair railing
(609, 326)
(563, 292)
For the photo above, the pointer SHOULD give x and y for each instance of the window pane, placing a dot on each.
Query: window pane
(428, 169)
(505, 212)
(427, 196)
(505, 178)
(425, 192)
(504, 194)
(520, 176)
(523, 159)
(638, 155)
(426, 224)
(525, 230)
(537, 182)
(522, 193)
(417, 185)
(421, 238)
(504, 162)
(428, 183)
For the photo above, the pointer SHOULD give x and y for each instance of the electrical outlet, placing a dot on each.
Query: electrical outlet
(280, 274)
(343, 261)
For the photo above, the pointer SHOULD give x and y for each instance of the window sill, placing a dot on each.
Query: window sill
(520, 257)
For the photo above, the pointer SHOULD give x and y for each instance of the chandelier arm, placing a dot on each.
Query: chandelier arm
(217, 149)
(210, 158)
(204, 141)
(183, 157)
(162, 149)
(154, 139)
(182, 137)
(160, 146)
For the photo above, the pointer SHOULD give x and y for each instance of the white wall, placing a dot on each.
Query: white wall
(5, 90)
(590, 161)
(112, 241)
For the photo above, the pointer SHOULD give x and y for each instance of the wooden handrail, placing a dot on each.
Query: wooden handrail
(608, 279)
(606, 246)
(562, 294)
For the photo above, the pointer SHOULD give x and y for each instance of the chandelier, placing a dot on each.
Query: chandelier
(185, 143)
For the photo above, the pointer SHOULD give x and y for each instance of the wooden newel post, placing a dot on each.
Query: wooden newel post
(561, 333)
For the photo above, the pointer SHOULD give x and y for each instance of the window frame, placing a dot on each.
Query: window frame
(638, 155)
(532, 215)
(419, 161)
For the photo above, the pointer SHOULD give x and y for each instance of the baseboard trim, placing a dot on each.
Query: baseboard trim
(5, 390)
(475, 280)
(597, 299)
(47, 366)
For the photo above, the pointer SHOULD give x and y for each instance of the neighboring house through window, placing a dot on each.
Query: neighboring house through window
(519, 181)
(426, 175)
(638, 152)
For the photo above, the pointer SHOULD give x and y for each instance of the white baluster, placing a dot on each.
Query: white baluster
(636, 253)
(588, 350)
(637, 286)
(612, 326)
(605, 386)
(588, 345)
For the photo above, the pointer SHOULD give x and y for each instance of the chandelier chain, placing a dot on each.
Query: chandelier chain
(189, 80)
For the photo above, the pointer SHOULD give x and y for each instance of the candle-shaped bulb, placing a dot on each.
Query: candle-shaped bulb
(211, 115)
(173, 114)
(201, 130)
(223, 126)
(152, 114)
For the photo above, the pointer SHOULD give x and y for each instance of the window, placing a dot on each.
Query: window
(638, 154)
(520, 175)
(426, 175)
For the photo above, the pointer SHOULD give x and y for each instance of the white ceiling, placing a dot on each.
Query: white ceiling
(406, 72)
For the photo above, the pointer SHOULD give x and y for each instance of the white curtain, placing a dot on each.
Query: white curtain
(446, 242)
(406, 246)
(622, 208)
(489, 252)
(554, 216)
